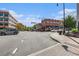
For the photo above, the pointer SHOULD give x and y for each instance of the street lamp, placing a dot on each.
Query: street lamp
(63, 16)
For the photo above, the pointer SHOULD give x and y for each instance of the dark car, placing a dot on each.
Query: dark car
(9, 31)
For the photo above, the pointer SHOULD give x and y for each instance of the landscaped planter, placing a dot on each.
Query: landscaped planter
(75, 34)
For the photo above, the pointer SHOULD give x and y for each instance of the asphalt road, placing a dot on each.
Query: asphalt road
(24, 43)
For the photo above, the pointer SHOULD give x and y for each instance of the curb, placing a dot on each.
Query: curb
(54, 39)
(53, 50)
(68, 46)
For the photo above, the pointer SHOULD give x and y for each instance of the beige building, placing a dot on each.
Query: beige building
(7, 20)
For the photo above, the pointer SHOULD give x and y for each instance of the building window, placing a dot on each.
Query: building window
(44, 22)
(48, 22)
(1, 14)
(1, 24)
(1, 19)
(6, 24)
(1, 28)
(6, 19)
(51, 22)
(54, 22)
(6, 15)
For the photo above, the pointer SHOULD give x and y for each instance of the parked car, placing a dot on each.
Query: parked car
(9, 31)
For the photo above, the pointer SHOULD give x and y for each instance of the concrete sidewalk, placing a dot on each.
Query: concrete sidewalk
(71, 42)
(62, 38)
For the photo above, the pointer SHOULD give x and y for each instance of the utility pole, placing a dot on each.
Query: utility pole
(64, 17)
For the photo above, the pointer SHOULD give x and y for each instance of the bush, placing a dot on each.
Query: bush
(74, 30)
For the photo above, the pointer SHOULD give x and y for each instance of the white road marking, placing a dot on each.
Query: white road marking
(36, 53)
(14, 51)
(22, 41)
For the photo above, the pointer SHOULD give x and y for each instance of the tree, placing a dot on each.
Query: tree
(34, 26)
(69, 22)
(28, 28)
(20, 26)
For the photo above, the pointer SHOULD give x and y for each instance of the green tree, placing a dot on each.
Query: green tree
(28, 28)
(34, 26)
(69, 22)
(20, 26)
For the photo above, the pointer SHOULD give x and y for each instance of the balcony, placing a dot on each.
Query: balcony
(3, 21)
(1, 26)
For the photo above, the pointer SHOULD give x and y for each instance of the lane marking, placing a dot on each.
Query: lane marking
(22, 41)
(38, 52)
(14, 51)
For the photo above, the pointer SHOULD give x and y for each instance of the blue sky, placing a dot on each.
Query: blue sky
(27, 13)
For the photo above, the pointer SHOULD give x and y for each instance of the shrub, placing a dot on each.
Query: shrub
(74, 30)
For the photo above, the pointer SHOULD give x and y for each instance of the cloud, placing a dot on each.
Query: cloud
(13, 13)
(30, 20)
(27, 20)
(59, 17)
(67, 12)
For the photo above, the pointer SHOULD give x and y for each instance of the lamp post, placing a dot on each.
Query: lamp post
(63, 16)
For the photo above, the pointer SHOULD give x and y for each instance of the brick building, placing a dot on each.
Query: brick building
(49, 24)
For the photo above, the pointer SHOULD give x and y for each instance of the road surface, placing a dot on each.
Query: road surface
(24, 43)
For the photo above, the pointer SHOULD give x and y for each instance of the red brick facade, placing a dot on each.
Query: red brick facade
(50, 24)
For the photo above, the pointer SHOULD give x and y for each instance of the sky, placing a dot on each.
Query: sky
(32, 13)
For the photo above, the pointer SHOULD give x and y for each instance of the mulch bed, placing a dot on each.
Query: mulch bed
(76, 34)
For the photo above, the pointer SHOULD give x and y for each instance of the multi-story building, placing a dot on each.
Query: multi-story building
(50, 24)
(7, 20)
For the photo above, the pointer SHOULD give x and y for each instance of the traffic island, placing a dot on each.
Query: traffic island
(76, 34)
